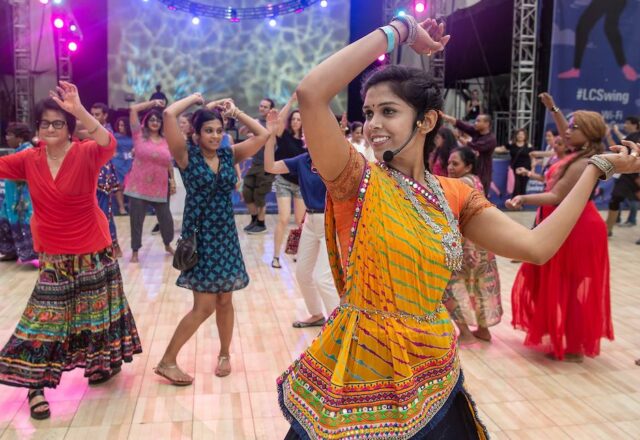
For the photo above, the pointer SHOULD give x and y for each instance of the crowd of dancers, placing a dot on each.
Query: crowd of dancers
(397, 240)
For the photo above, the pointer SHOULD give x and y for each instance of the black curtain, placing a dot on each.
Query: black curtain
(366, 15)
(481, 41)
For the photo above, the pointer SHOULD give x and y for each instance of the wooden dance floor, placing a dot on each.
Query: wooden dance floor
(520, 394)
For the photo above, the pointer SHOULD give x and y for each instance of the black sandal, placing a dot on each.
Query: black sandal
(38, 415)
(102, 377)
(275, 263)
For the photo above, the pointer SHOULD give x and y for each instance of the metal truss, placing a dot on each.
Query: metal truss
(523, 66)
(63, 58)
(23, 85)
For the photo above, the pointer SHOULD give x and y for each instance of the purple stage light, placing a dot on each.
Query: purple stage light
(44, 2)
(195, 21)
(73, 28)
(273, 22)
(58, 23)
(419, 6)
(323, 3)
(73, 46)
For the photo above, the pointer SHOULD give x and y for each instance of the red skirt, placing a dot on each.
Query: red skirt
(564, 304)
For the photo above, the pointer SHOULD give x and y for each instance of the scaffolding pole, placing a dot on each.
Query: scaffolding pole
(23, 84)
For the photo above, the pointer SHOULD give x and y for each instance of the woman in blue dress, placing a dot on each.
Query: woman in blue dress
(207, 169)
(16, 242)
(123, 159)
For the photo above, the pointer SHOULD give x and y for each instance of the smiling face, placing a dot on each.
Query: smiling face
(154, 123)
(264, 108)
(296, 122)
(521, 136)
(210, 135)
(51, 135)
(456, 166)
(389, 122)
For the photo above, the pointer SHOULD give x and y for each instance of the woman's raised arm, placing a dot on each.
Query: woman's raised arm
(175, 138)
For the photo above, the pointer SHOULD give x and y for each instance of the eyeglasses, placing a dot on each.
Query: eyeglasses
(154, 119)
(57, 124)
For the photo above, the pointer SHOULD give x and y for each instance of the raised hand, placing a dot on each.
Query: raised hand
(547, 100)
(446, 118)
(217, 104)
(196, 98)
(67, 97)
(273, 122)
(431, 37)
(157, 103)
(627, 157)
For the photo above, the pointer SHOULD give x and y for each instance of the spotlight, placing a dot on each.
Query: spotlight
(58, 23)
(73, 46)
(420, 6)
(195, 21)
(57, 2)
(73, 28)
(44, 2)
(273, 22)
(401, 13)
(323, 3)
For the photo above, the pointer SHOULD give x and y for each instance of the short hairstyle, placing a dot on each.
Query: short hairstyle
(20, 130)
(487, 116)
(270, 101)
(634, 120)
(102, 106)
(145, 121)
(50, 104)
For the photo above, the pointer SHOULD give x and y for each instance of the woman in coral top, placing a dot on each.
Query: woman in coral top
(78, 315)
(386, 365)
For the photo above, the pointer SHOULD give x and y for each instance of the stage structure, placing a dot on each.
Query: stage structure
(438, 9)
(22, 60)
(523, 66)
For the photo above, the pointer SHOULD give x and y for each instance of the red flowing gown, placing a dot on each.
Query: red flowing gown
(564, 304)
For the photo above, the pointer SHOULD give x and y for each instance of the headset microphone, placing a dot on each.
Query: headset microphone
(388, 155)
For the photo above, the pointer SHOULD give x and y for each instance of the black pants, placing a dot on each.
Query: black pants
(520, 185)
(457, 424)
(611, 10)
(137, 213)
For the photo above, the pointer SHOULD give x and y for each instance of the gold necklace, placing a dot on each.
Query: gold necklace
(66, 149)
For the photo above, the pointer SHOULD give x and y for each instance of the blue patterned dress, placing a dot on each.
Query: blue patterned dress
(220, 267)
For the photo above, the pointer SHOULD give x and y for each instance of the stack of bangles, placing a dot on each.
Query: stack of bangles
(388, 30)
(604, 165)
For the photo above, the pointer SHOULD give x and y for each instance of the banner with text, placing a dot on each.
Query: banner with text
(595, 58)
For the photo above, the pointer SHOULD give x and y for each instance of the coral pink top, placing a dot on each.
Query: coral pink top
(149, 175)
(66, 217)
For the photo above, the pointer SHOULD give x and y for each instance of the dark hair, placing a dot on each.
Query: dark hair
(102, 106)
(127, 127)
(354, 125)
(273, 104)
(293, 112)
(145, 121)
(20, 130)
(50, 104)
(634, 120)
(485, 115)
(414, 86)
(200, 117)
(449, 144)
(158, 87)
(514, 138)
(468, 157)
(553, 131)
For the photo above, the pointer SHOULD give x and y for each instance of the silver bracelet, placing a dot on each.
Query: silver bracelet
(604, 165)
(412, 26)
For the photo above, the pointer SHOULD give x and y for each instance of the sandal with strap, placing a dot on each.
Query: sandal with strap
(101, 377)
(161, 370)
(38, 415)
(222, 372)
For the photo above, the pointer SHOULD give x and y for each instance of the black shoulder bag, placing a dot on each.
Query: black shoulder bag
(186, 254)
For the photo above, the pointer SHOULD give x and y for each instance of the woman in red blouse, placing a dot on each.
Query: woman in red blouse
(78, 315)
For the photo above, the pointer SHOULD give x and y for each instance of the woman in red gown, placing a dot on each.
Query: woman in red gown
(567, 298)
